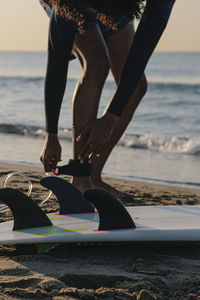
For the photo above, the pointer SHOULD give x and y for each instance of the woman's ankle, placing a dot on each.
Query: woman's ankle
(81, 179)
(82, 183)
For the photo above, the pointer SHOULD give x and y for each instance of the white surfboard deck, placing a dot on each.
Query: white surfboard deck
(153, 223)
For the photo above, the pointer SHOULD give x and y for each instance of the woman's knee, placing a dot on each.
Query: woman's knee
(97, 67)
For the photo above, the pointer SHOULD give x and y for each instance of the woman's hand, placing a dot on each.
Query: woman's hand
(96, 135)
(51, 152)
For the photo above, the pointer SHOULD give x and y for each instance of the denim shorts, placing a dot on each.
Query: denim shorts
(108, 31)
(64, 28)
(67, 27)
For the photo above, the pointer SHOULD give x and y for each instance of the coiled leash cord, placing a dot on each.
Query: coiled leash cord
(4, 208)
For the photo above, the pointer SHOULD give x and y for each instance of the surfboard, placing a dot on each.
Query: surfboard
(94, 217)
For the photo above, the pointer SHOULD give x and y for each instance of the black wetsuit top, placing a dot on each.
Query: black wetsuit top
(150, 29)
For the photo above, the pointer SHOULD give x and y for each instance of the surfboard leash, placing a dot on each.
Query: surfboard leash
(4, 208)
(73, 168)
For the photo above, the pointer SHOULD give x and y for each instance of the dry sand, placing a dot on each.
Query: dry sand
(115, 271)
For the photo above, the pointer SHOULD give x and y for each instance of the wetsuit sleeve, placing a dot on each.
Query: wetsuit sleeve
(150, 29)
(59, 52)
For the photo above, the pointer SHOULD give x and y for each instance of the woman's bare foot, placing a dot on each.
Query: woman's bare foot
(82, 183)
(85, 183)
(100, 184)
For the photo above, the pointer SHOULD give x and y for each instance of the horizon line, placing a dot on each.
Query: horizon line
(25, 50)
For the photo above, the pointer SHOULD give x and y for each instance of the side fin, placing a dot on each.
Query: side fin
(70, 199)
(112, 213)
(26, 213)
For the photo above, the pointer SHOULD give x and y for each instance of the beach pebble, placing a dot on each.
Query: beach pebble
(52, 284)
(145, 295)
(125, 295)
(104, 293)
(86, 294)
(63, 298)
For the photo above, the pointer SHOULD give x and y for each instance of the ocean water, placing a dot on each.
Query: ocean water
(162, 142)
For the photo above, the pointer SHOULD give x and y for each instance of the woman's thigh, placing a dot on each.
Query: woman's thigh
(119, 45)
(90, 46)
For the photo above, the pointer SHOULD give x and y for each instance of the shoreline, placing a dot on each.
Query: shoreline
(26, 165)
(142, 192)
(6, 168)
(138, 271)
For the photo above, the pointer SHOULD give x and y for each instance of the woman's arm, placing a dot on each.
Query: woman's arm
(150, 29)
(59, 52)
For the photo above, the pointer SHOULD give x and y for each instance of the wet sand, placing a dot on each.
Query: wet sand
(104, 271)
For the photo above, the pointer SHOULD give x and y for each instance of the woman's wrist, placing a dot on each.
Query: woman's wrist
(53, 136)
(111, 117)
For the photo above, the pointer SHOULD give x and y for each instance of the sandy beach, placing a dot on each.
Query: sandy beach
(114, 271)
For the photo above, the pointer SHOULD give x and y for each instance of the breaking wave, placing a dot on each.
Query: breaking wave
(170, 144)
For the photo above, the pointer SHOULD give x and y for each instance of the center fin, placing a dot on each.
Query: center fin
(70, 199)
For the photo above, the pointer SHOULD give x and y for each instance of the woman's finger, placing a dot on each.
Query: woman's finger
(47, 164)
(86, 151)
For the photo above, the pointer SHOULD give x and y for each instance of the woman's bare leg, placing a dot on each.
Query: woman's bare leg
(91, 50)
(118, 46)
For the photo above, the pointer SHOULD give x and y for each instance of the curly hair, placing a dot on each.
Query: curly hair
(108, 11)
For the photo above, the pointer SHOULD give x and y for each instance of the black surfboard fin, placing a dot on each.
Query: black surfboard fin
(112, 213)
(70, 199)
(26, 213)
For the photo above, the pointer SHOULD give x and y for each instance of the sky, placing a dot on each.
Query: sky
(24, 26)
